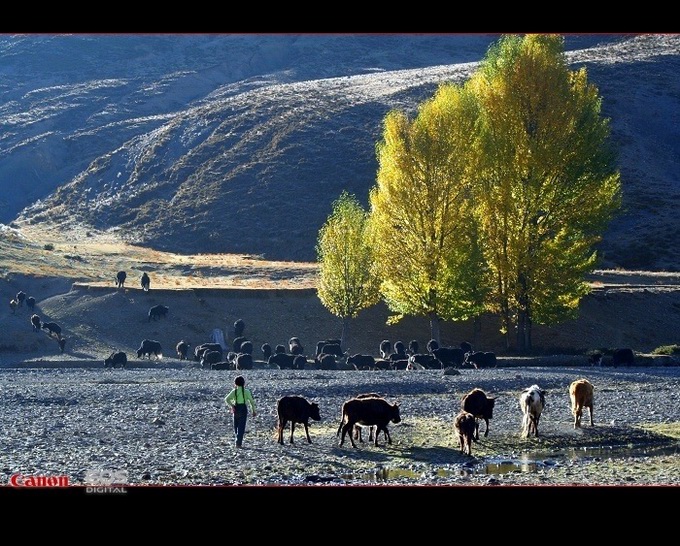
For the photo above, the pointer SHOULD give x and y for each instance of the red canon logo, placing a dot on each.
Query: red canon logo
(19, 480)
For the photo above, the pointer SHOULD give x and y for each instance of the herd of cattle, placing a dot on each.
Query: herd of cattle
(375, 412)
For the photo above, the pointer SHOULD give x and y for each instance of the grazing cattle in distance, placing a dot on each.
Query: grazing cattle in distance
(222, 365)
(182, 349)
(30, 302)
(247, 347)
(266, 351)
(203, 347)
(481, 406)
(623, 357)
(382, 364)
(120, 279)
(299, 362)
(361, 362)
(385, 349)
(13, 305)
(329, 347)
(236, 344)
(595, 359)
(210, 357)
(480, 359)
(243, 361)
(295, 409)
(21, 298)
(367, 412)
(531, 402)
(158, 311)
(449, 356)
(581, 396)
(52, 328)
(325, 362)
(465, 426)
(35, 322)
(432, 345)
(117, 359)
(149, 347)
(62, 344)
(295, 347)
(401, 364)
(239, 327)
(145, 281)
(282, 361)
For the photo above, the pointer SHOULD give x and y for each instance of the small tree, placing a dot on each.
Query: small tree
(348, 282)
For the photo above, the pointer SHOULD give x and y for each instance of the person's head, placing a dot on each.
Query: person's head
(239, 381)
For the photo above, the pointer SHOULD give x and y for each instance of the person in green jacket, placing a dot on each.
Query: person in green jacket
(237, 399)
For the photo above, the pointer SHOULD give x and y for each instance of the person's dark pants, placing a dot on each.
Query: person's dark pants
(240, 417)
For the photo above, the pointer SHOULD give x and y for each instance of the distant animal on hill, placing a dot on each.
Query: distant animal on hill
(581, 396)
(385, 349)
(13, 305)
(203, 347)
(239, 327)
(35, 322)
(117, 359)
(182, 349)
(209, 358)
(62, 344)
(266, 351)
(295, 409)
(53, 329)
(149, 347)
(145, 281)
(294, 346)
(237, 342)
(158, 311)
(120, 279)
(21, 298)
(30, 302)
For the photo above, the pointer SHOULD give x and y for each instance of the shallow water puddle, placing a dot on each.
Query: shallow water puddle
(526, 462)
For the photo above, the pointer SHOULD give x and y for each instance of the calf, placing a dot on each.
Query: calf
(158, 311)
(120, 279)
(52, 328)
(30, 302)
(35, 322)
(117, 359)
(581, 396)
(531, 402)
(367, 412)
(357, 428)
(481, 406)
(465, 425)
(148, 347)
(182, 349)
(296, 409)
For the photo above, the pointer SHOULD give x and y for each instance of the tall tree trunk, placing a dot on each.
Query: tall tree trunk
(344, 336)
(434, 327)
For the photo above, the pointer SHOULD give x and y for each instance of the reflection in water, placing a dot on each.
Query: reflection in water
(526, 462)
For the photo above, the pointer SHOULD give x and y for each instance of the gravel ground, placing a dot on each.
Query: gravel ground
(167, 425)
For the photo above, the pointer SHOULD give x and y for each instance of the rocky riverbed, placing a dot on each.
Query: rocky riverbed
(167, 425)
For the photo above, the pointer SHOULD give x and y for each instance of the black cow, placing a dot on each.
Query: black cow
(466, 346)
(203, 347)
(117, 359)
(329, 346)
(120, 279)
(449, 356)
(357, 428)
(145, 281)
(299, 362)
(149, 347)
(432, 345)
(62, 344)
(239, 327)
(182, 349)
(210, 357)
(623, 357)
(367, 412)
(266, 351)
(481, 406)
(361, 362)
(480, 359)
(246, 347)
(236, 344)
(21, 298)
(222, 365)
(427, 361)
(325, 362)
(35, 321)
(158, 311)
(385, 348)
(413, 347)
(281, 360)
(52, 328)
(280, 349)
(295, 347)
(30, 302)
(244, 361)
(296, 409)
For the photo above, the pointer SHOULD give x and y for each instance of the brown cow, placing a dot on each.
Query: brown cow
(367, 412)
(481, 406)
(581, 396)
(295, 409)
